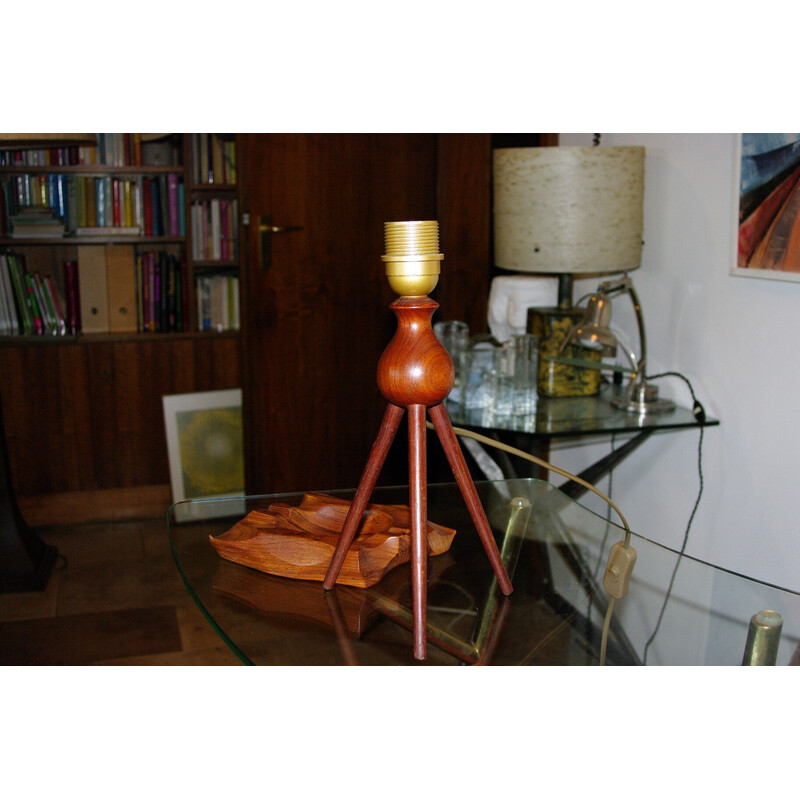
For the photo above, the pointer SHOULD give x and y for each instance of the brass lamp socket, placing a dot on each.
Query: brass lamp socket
(412, 257)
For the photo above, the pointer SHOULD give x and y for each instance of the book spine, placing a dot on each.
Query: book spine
(147, 206)
(138, 205)
(204, 168)
(73, 317)
(204, 304)
(216, 159)
(195, 216)
(156, 208)
(63, 196)
(127, 203)
(163, 196)
(174, 206)
(72, 202)
(7, 290)
(49, 319)
(116, 203)
(216, 230)
(43, 193)
(224, 231)
(231, 162)
(100, 202)
(52, 193)
(181, 209)
(20, 294)
(33, 305)
(58, 306)
(109, 198)
(90, 195)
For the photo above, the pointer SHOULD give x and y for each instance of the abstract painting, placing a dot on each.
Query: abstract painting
(768, 206)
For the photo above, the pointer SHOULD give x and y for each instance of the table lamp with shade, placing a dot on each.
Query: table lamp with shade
(567, 212)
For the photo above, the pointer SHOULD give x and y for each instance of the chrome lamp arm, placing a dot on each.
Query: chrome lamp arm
(640, 397)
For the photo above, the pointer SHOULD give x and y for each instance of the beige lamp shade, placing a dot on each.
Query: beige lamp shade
(568, 209)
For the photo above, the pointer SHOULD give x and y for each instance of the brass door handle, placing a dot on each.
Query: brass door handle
(265, 231)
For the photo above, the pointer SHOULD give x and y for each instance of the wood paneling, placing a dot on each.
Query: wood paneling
(464, 212)
(88, 417)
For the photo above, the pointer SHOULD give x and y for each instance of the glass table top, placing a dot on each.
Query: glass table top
(678, 611)
(573, 416)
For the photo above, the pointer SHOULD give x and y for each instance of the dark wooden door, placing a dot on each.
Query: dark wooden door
(315, 319)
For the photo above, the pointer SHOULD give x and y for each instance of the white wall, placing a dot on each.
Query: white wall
(735, 338)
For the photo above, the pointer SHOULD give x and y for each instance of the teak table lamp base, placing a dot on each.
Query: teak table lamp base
(415, 373)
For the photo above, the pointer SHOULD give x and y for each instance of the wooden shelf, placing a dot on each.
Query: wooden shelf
(76, 240)
(97, 338)
(91, 170)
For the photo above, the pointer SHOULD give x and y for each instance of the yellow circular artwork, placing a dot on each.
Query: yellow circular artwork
(210, 442)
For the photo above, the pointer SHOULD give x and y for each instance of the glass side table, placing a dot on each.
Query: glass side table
(559, 418)
(677, 612)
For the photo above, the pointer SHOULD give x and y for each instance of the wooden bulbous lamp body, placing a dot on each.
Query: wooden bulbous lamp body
(415, 368)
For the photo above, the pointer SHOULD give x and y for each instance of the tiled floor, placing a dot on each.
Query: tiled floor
(127, 569)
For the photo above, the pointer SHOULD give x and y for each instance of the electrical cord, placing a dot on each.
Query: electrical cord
(700, 416)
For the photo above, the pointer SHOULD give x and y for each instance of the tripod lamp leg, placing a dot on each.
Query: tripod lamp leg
(452, 449)
(418, 488)
(389, 425)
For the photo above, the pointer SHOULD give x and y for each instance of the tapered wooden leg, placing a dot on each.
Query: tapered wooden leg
(452, 449)
(389, 425)
(418, 492)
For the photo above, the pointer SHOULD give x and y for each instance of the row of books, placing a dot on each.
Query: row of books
(112, 150)
(215, 230)
(112, 289)
(125, 291)
(218, 303)
(213, 159)
(30, 304)
(145, 205)
(72, 156)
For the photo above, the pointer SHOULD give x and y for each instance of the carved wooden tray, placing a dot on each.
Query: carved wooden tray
(299, 541)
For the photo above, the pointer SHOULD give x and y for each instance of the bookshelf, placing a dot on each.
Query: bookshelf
(150, 223)
(156, 313)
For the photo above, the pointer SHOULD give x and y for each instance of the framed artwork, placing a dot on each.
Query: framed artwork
(205, 447)
(767, 207)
